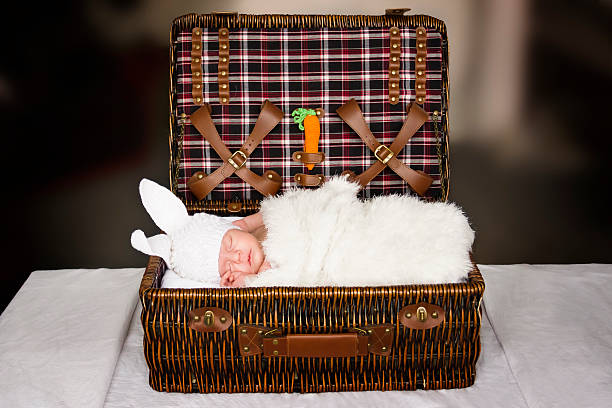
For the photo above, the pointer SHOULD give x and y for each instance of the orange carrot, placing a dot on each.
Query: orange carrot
(308, 122)
(312, 131)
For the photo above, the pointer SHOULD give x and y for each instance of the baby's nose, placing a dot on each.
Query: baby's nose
(236, 256)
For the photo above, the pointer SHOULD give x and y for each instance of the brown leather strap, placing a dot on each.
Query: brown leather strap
(196, 66)
(268, 184)
(375, 339)
(395, 54)
(309, 180)
(420, 65)
(308, 158)
(387, 156)
(223, 66)
(316, 345)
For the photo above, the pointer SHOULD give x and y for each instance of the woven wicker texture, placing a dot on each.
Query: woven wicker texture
(183, 360)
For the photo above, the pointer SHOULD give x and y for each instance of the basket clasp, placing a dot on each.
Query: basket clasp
(209, 318)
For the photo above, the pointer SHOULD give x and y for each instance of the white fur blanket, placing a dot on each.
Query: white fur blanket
(328, 237)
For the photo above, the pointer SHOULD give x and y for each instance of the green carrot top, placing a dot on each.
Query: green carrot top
(300, 114)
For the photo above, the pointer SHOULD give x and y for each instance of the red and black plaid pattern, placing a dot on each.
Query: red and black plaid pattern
(316, 68)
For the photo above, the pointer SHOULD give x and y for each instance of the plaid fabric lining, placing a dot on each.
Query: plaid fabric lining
(320, 68)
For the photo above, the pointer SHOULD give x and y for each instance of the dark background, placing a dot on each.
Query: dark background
(84, 102)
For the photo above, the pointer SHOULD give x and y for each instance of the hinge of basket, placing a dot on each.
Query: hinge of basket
(360, 331)
(266, 334)
(396, 11)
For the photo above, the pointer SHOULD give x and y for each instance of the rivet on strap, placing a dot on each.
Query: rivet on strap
(223, 67)
(420, 65)
(395, 54)
(196, 66)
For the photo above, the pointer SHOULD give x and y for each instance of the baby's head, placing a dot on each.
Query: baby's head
(202, 246)
(240, 255)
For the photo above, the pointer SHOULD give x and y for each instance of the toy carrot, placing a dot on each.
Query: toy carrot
(308, 122)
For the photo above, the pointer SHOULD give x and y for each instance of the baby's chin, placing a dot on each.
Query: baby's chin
(257, 266)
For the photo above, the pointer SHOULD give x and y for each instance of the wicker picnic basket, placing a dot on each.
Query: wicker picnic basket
(225, 67)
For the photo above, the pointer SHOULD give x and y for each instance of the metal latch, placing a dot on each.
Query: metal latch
(209, 318)
(421, 314)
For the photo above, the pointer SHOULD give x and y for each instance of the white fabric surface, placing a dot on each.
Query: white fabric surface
(61, 335)
(555, 325)
(172, 280)
(323, 237)
(546, 335)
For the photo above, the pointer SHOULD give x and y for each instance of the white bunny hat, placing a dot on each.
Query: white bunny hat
(191, 244)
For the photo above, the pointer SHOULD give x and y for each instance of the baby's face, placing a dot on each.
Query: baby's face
(240, 255)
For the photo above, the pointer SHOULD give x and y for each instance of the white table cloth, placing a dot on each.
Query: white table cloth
(72, 338)
(61, 335)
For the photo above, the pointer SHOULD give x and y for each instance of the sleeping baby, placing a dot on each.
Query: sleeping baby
(318, 237)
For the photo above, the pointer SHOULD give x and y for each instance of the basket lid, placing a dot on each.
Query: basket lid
(311, 62)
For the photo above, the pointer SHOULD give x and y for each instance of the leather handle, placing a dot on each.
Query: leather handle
(316, 345)
(375, 339)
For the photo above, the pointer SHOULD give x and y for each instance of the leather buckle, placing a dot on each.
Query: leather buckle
(233, 162)
(387, 157)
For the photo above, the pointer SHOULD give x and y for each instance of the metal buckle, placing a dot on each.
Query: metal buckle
(389, 154)
(269, 332)
(233, 163)
(360, 331)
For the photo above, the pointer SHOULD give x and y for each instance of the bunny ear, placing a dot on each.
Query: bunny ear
(158, 245)
(166, 209)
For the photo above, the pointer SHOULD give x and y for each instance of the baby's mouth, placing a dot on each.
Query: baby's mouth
(250, 263)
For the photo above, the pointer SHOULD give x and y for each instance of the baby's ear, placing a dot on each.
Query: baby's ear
(167, 210)
(158, 245)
